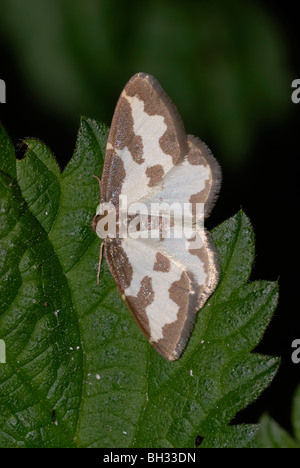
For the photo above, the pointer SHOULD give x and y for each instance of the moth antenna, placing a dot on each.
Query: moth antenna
(99, 180)
(100, 261)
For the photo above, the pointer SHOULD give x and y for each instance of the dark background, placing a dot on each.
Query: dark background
(228, 66)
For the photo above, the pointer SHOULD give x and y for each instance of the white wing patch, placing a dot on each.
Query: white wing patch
(180, 183)
(157, 315)
(178, 250)
(163, 310)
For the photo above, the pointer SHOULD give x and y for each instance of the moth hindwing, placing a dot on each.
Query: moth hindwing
(157, 186)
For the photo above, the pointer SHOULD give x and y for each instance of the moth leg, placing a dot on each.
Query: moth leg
(100, 261)
(99, 180)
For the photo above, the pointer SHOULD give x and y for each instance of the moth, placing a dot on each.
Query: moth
(150, 160)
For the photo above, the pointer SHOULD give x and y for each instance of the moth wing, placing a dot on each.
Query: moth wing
(163, 285)
(196, 179)
(146, 140)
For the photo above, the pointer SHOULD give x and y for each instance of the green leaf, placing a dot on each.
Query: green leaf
(243, 436)
(7, 154)
(272, 435)
(296, 414)
(79, 372)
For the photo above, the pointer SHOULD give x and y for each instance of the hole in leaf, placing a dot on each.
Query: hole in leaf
(198, 441)
(21, 150)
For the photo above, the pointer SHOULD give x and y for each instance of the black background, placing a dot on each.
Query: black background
(266, 187)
